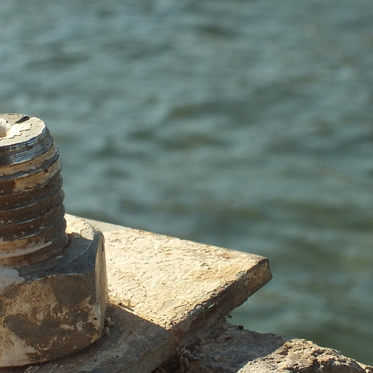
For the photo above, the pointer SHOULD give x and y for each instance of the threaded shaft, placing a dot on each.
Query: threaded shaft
(32, 223)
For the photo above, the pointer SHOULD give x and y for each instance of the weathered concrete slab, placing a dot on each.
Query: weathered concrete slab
(228, 349)
(163, 292)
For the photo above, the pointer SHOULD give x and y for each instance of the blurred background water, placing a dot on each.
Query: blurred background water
(244, 124)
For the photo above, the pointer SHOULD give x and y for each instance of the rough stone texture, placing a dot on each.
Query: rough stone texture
(163, 292)
(229, 349)
(56, 307)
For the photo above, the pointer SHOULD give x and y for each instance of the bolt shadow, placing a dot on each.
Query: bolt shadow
(131, 344)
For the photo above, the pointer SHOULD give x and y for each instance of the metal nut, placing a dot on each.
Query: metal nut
(53, 285)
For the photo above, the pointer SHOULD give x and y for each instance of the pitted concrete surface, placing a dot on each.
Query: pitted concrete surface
(162, 293)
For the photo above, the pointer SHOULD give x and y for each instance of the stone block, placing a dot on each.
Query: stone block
(229, 349)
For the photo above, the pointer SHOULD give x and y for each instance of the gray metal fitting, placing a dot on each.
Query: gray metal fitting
(53, 286)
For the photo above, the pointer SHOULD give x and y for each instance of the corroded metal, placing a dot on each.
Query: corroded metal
(32, 224)
(52, 267)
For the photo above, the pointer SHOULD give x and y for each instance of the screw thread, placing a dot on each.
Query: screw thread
(32, 223)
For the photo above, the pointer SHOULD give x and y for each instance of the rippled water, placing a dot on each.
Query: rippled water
(245, 124)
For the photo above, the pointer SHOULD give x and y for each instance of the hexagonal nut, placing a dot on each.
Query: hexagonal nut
(54, 308)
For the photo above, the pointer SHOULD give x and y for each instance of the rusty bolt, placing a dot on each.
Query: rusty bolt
(52, 266)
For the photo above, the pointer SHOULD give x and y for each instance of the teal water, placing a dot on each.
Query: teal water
(244, 124)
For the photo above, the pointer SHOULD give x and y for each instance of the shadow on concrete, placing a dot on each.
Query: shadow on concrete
(227, 348)
(133, 344)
